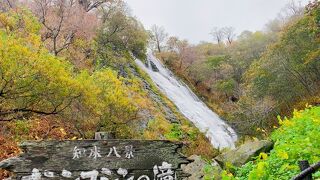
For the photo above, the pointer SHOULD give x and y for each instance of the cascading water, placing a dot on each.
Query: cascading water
(220, 134)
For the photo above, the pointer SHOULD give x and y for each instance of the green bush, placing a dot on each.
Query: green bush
(297, 139)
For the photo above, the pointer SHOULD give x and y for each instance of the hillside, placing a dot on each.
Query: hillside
(55, 88)
(71, 68)
(296, 139)
(255, 77)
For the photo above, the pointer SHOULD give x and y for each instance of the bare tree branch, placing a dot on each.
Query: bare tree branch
(89, 5)
(218, 34)
(158, 36)
(229, 33)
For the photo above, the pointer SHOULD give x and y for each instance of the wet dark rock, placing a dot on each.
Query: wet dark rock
(154, 67)
(122, 72)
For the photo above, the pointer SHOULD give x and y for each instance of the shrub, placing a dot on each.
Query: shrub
(297, 139)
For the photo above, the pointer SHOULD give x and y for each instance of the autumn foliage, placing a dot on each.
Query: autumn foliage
(89, 85)
(253, 78)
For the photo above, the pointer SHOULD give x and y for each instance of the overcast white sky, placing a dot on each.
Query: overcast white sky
(194, 19)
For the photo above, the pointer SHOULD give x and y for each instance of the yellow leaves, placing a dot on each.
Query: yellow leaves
(20, 21)
(226, 175)
(279, 119)
(62, 131)
(229, 165)
(50, 81)
(261, 166)
(157, 127)
(34, 41)
(296, 113)
(263, 156)
(260, 130)
(285, 121)
(74, 138)
(308, 105)
(283, 155)
(312, 56)
(230, 174)
(151, 135)
(7, 21)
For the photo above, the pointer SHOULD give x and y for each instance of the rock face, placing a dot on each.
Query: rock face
(196, 168)
(154, 67)
(244, 153)
(169, 114)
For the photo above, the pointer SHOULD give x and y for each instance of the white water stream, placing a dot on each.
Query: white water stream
(220, 134)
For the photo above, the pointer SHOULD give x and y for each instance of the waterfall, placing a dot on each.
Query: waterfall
(220, 134)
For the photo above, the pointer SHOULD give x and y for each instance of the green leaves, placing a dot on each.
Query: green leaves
(176, 133)
(226, 86)
(215, 61)
(119, 36)
(297, 139)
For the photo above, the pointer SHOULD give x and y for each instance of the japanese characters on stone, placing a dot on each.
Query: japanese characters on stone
(162, 171)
